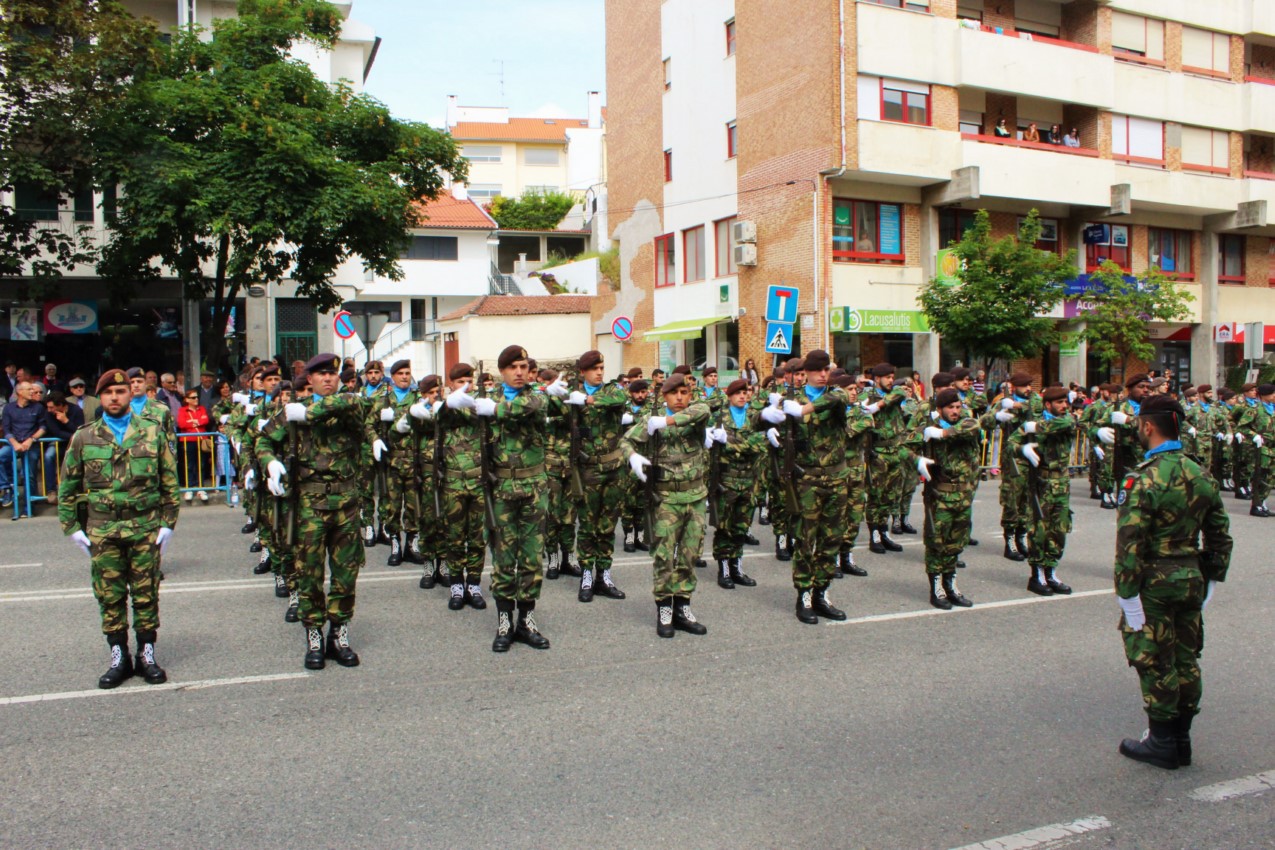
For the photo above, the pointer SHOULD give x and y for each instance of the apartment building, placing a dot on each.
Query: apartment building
(854, 140)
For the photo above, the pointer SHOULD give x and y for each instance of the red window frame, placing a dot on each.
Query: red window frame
(1270, 262)
(1054, 247)
(729, 241)
(668, 165)
(665, 256)
(691, 263)
(732, 139)
(730, 37)
(856, 256)
(1118, 254)
(1180, 238)
(905, 105)
(1222, 240)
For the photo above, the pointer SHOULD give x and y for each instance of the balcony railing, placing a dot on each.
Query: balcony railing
(1019, 143)
(499, 283)
(1031, 36)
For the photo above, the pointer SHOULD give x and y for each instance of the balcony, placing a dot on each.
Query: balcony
(1186, 98)
(1180, 191)
(1022, 64)
(1012, 169)
(907, 153)
(1259, 107)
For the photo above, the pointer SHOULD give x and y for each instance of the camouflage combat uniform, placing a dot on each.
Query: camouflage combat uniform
(520, 493)
(1016, 513)
(1051, 481)
(886, 455)
(631, 510)
(400, 509)
(740, 461)
(858, 423)
(369, 396)
(464, 529)
(1248, 420)
(821, 486)
(602, 472)
(1127, 447)
(949, 496)
(560, 517)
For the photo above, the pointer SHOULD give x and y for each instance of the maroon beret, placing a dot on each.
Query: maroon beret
(946, 396)
(737, 385)
(111, 378)
(511, 355)
(589, 360)
(460, 370)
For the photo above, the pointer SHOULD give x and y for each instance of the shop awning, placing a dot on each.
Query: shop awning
(685, 329)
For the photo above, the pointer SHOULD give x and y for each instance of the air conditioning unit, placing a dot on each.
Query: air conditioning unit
(744, 231)
(745, 255)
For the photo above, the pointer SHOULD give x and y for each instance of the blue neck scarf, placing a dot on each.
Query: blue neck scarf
(1204, 405)
(1020, 399)
(400, 394)
(708, 391)
(1166, 446)
(739, 414)
(1048, 415)
(814, 393)
(590, 389)
(1270, 407)
(137, 403)
(1137, 407)
(668, 411)
(118, 424)
(944, 424)
(371, 388)
(510, 392)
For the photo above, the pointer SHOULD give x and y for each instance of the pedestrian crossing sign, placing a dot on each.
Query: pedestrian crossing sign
(778, 338)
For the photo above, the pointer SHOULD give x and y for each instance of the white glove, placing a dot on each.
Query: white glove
(1208, 595)
(1134, 616)
(932, 433)
(1004, 416)
(720, 435)
(1029, 427)
(1230, 438)
(437, 406)
(225, 417)
(923, 465)
(1118, 418)
(459, 399)
(419, 410)
(1107, 435)
(250, 480)
(1258, 440)
(638, 464)
(577, 398)
(1191, 431)
(403, 426)
(871, 409)
(276, 488)
(772, 434)
(776, 399)
(934, 416)
(792, 408)
(387, 414)
(656, 423)
(250, 409)
(1239, 438)
(1071, 397)
(294, 411)
(239, 398)
(238, 446)
(261, 425)
(773, 415)
(378, 449)
(1221, 438)
(1007, 403)
(626, 419)
(708, 438)
(1029, 452)
(276, 470)
(81, 539)
(161, 539)
(558, 389)
(1099, 452)
(484, 407)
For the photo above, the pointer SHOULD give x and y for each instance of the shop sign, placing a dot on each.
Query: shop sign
(853, 321)
(70, 317)
(1069, 345)
(947, 267)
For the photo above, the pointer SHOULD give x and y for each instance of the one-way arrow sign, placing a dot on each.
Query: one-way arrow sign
(778, 338)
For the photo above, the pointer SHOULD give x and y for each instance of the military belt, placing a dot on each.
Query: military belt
(327, 488)
(599, 460)
(427, 469)
(947, 488)
(518, 474)
(823, 471)
(1052, 473)
(556, 462)
(679, 486)
(119, 514)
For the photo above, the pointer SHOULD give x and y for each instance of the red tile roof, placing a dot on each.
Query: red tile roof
(521, 305)
(518, 130)
(447, 211)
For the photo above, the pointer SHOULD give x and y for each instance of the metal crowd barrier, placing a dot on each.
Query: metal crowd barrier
(217, 459)
(993, 442)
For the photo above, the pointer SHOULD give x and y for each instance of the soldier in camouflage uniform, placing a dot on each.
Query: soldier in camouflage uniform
(678, 463)
(1022, 405)
(632, 514)
(793, 376)
(330, 431)
(947, 446)
(1199, 413)
(740, 458)
(264, 405)
(1099, 485)
(1119, 429)
(1246, 422)
(1263, 440)
(560, 518)
(374, 388)
(1222, 421)
(858, 423)
(1164, 578)
(277, 553)
(883, 401)
(713, 395)
(463, 511)
(143, 405)
(395, 447)
(117, 500)
(976, 404)
(1046, 444)
(429, 537)
(912, 406)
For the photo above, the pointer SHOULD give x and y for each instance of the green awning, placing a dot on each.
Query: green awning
(685, 329)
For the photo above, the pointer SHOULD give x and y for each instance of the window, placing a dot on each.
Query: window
(971, 122)
(730, 37)
(724, 241)
(952, 225)
(484, 190)
(1206, 150)
(1205, 51)
(1048, 240)
(732, 140)
(540, 190)
(905, 102)
(668, 74)
(83, 203)
(1106, 242)
(1137, 140)
(35, 204)
(110, 201)
(481, 153)
(1038, 17)
(540, 156)
(1136, 36)
(867, 231)
(1230, 250)
(693, 254)
(1170, 251)
(665, 261)
(432, 248)
(911, 5)
(970, 10)
(668, 166)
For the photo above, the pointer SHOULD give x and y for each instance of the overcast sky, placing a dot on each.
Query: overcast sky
(552, 50)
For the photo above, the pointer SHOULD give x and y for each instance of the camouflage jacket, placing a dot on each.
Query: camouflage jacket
(518, 437)
(402, 456)
(1053, 440)
(1126, 434)
(678, 458)
(717, 401)
(821, 434)
(858, 424)
(600, 427)
(1030, 409)
(128, 488)
(956, 456)
(1249, 419)
(329, 444)
(1167, 504)
(161, 414)
(890, 423)
(976, 403)
(745, 448)
(461, 451)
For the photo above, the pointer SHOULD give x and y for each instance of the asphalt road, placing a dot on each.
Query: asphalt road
(904, 728)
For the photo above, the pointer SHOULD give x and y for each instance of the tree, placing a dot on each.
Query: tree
(1116, 325)
(535, 210)
(1007, 288)
(241, 167)
(64, 67)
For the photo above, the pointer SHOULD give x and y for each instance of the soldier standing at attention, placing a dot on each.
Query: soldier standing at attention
(632, 517)
(1263, 420)
(948, 463)
(858, 422)
(374, 387)
(397, 451)
(429, 537)
(560, 517)
(1164, 579)
(1019, 407)
(884, 403)
(740, 462)
(463, 510)
(330, 433)
(1247, 420)
(1120, 429)
(679, 464)
(1046, 443)
(123, 469)
(715, 398)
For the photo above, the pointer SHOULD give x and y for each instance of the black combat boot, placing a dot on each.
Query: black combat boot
(953, 595)
(294, 603)
(823, 606)
(585, 593)
(1055, 585)
(1108, 503)
(382, 536)
(763, 515)
(430, 578)
(121, 662)
(1020, 543)
(850, 568)
(248, 527)
(724, 580)
(905, 526)
(739, 576)
(314, 648)
(700, 563)
(938, 593)
(792, 546)
(606, 587)
(457, 599)
(1094, 492)
(749, 540)
(889, 544)
(1158, 745)
(263, 564)
(526, 631)
(339, 645)
(1243, 493)
(1184, 739)
(639, 540)
(144, 661)
(255, 546)
(874, 541)
(369, 536)
(684, 619)
(280, 587)
(1259, 509)
(567, 567)
(629, 536)
(896, 527)
(412, 549)
(396, 552)
(805, 607)
(504, 625)
(782, 550)
(551, 564)
(664, 617)
(837, 572)
(474, 596)
(1012, 554)
(1037, 583)
(973, 542)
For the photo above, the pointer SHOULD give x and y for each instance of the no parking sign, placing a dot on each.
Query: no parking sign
(622, 328)
(343, 324)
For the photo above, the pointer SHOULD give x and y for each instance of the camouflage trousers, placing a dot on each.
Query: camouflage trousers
(1016, 515)
(734, 516)
(911, 478)
(282, 556)
(123, 567)
(367, 488)
(398, 510)
(428, 526)
(779, 519)
(1095, 470)
(1165, 652)
(856, 502)
(1263, 466)
(948, 520)
(822, 497)
(516, 546)
(1106, 471)
(599, 512)
(464, 531)
(328, 545)
(632, 510)
(679, 536)
(885, 483)
(560, 515)
(1048, 533)
(1242, 460)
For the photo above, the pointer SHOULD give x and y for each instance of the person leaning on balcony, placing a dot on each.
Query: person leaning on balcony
(1032, 134)
(1072, 139)
(1000, 129)
(1055, 136)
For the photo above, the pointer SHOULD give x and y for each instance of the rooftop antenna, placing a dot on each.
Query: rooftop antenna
(501, 74)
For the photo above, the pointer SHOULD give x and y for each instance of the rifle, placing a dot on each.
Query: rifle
(1033, 481)
(294, 485)
(927, 491)
(1217, 460)
(652, 495)
(714, 475)
(380, 485)
(485, 460)
(438, 465)
(575, 452)
(1119, 456)
(790, 469)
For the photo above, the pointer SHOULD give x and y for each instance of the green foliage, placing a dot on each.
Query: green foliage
(1237, 375)
(533, 211)
(1007, 288)
(1116, 326)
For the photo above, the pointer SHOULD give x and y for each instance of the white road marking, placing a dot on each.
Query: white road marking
(1044, 836)
(151, 689)
(18, 566)
(1258, 783)
(978, 606)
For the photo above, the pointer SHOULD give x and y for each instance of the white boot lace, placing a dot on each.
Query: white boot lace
(805, 599)
(503, 624)
(606, 578)
(315, 638)
(458, 590)
(936, 583)
(476, 591)
(684, 612)
(117, 656)
(586, 580)
(148, 653)
(529, 623)
(342, 638)
(294, 598)
(666, 615)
